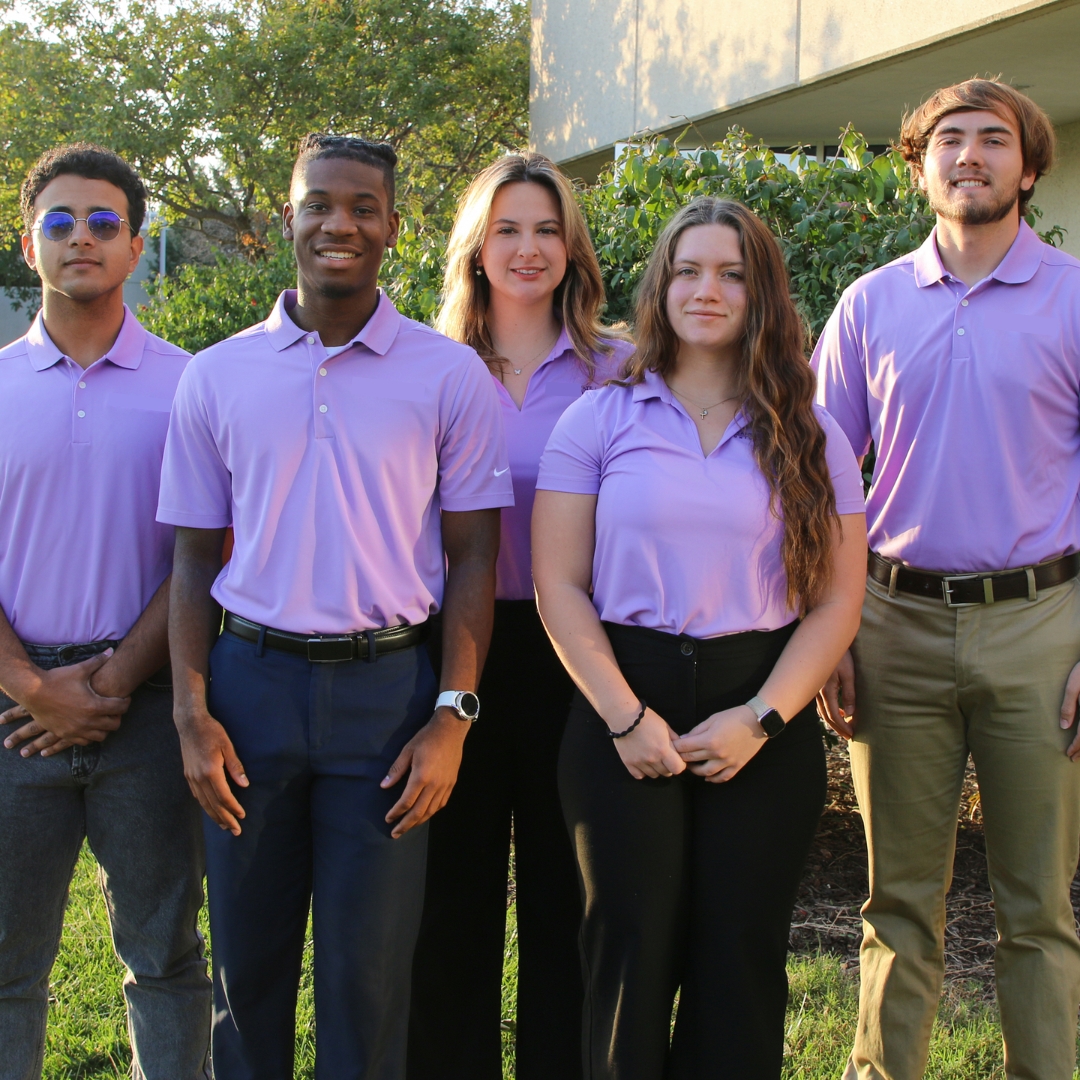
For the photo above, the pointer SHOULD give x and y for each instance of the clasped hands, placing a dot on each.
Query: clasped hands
(66, 706)
(716, 749)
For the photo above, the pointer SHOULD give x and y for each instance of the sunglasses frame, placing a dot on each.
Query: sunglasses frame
(75, 221)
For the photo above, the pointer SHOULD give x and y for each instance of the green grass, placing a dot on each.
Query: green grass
(88, 1035)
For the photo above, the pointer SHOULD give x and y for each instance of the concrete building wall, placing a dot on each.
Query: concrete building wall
(606, 69)
(1058, 195)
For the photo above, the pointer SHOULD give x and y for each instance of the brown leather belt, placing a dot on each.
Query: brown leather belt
(963, 589)
(330, 648)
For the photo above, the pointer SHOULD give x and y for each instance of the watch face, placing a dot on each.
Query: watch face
(772, 723)
(469, 704)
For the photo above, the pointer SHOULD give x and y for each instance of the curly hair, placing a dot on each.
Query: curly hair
(379, 155)
(92, 162)
(774, 377)
(1037, 142)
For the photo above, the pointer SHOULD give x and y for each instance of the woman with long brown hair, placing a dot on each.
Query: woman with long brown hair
(699, 550)
(523, 288)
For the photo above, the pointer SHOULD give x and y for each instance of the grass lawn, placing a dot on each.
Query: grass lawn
(88, 1037)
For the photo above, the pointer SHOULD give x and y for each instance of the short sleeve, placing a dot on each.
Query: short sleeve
(572, 459)
(196, 487)
(474, 473)
(844, 470)
(841, 374)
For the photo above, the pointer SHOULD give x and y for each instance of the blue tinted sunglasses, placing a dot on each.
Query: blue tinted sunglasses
(59, 225)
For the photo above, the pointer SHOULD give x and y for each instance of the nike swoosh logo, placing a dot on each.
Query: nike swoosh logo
(499, 472)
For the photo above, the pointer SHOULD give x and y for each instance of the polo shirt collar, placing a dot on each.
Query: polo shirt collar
(377, 334)
(1022, 260)
(653, 386)
(126, 351)
(1020, 264)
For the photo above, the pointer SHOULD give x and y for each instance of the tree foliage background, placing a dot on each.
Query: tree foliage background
(208, 100)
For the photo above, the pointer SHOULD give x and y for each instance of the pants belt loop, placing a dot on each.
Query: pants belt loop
(1030, 571)
(892, 579)
(260, 646)
(370, 635)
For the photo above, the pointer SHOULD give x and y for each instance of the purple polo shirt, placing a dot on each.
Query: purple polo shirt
(559, 380)
(684, 543)
(332, 470)
(972, 398)
(80, 461)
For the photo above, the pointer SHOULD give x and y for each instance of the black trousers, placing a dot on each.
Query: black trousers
(508, 774)
(688, 885)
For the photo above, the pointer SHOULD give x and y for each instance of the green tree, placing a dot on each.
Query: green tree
(208, 99)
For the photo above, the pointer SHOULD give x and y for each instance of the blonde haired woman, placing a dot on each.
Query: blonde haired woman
(523, 288)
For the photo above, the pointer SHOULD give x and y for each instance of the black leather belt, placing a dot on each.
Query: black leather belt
(330, 648)
(962, 589)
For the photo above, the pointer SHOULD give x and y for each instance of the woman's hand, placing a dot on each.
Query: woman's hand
(721, 745)
(649, 749)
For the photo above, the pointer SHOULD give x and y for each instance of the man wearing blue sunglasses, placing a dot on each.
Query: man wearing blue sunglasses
(90, 751)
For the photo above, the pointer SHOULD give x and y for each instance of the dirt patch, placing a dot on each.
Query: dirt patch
(834, 886)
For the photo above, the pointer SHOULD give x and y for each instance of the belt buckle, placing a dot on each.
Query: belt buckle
(331, 648)
(946, 591)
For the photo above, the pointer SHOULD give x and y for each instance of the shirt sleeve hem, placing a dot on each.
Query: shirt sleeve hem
(477, 502)
(569, 487)
(850, 507)
(192, 521)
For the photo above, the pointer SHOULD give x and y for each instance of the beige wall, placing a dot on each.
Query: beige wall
(604, 69)
(1058, 195)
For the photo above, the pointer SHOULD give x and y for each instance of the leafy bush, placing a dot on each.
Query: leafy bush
(836, 220)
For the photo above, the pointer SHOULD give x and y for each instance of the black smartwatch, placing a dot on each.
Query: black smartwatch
(772, 723)
(464, 702)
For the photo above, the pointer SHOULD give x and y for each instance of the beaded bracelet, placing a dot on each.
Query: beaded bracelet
(637, 720)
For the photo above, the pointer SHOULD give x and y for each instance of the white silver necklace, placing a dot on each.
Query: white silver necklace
(697, 404)
(528, 363)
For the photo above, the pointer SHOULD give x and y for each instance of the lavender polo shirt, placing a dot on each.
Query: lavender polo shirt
(972, 398)
(559, 380)
(80, 460)
(332, 470)
(684, 543)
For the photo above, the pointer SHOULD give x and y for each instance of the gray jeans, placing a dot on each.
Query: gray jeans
(128, 798)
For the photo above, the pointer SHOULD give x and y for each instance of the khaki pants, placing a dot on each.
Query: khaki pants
(933, 684)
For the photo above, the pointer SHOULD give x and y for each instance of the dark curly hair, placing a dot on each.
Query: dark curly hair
(377, 154)
(92, 162)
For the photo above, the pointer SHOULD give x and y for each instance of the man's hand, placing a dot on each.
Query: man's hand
(1068, 711)
(722, 744)
(64, 704)
(432, 758)
(840, 687)
(44, 742)
(649, 749)
(208, 754)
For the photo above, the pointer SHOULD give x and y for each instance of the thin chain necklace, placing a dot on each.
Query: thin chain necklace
(543, 352)
(697, 404)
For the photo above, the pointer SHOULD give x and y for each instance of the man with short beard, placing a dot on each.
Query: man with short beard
(961, 361)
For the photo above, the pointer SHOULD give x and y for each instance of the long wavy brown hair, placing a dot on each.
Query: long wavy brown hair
(774, 380)
(579, 296)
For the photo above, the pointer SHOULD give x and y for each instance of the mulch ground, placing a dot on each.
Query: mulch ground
(834, 886)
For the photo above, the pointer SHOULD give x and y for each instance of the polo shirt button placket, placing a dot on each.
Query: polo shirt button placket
(80, 423)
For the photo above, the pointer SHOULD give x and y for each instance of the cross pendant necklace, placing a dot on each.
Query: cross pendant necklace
(697, 404)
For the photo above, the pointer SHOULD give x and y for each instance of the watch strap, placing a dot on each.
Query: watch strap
(772, 723)
(455, 699)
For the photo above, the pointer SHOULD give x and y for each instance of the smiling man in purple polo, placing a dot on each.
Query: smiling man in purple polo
(90, 752)
(360, 460)
(962, 362)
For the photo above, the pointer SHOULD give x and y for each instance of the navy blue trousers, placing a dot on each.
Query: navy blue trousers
(315, 741)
